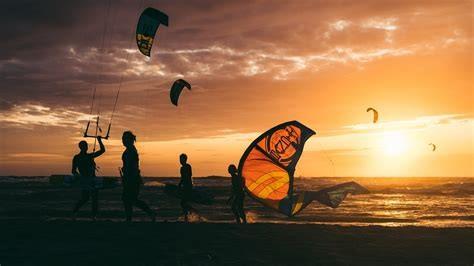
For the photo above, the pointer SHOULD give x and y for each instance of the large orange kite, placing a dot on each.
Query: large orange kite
(268, 166)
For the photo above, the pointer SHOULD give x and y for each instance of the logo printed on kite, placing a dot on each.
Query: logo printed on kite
(283, 144)
(144, 43)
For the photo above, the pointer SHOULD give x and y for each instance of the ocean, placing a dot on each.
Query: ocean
(430, 202)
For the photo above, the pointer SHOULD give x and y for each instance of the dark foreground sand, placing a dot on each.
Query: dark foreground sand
(66, 242)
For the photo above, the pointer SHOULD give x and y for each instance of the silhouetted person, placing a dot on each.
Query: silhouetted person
(84, 162)
(131, 178)
(185, 185)
(238, 195)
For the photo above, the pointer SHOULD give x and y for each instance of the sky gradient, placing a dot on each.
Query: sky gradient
(252, 66)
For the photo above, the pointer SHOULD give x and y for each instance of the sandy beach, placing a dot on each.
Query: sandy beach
(142, 243)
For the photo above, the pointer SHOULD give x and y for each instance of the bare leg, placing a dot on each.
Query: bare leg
(144, 207)
(185, 206)
(236, 211)
(95, 203)
(82, 201)
(241, 211)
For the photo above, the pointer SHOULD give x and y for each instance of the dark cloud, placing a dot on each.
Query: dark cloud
(5, 105)
(53, 56)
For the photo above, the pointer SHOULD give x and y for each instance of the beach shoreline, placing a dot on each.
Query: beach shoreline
(36, 228)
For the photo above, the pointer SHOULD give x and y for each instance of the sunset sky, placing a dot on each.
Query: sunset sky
(252, 65)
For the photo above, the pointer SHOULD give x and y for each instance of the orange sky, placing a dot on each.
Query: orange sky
(319, 63)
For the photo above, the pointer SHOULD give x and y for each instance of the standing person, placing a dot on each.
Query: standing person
(131, 178)
(83, 166)
(238, 195)
(185, 185)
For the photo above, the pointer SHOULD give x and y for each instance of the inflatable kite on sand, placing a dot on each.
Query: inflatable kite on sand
(268, 166)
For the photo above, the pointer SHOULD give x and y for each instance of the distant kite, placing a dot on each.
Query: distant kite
(376, 114)
(176, 89)
(148, 24)
(433, 146)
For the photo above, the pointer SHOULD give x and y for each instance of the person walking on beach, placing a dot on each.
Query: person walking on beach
(83, 166)
(131, 178)
(238, 195)
(185, 185)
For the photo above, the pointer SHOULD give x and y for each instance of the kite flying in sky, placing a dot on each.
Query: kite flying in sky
(268, 166)
(148, 24)
(376, 114)
(176, 89)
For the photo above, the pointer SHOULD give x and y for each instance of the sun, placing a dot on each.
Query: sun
(393, 143)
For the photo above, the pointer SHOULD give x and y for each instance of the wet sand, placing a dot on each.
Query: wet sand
(28, 242)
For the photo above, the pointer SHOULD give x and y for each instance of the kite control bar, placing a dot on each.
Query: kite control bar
(97, 128)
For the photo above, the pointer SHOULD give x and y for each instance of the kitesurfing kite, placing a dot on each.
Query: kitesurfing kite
(148, 24)
(268, 167)
(176, 89)
(433, 147)
(376, 114)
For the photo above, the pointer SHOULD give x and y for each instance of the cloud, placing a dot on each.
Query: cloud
(385, 24)
(5, 105)
(336, 26)
(36, 156)
(416, 123)
(281, 42)
(28, 116)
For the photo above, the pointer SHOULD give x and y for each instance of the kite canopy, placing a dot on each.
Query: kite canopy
(376, 114)
(433, 146)
(148, 23)
(176, 89)
(268, 165)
